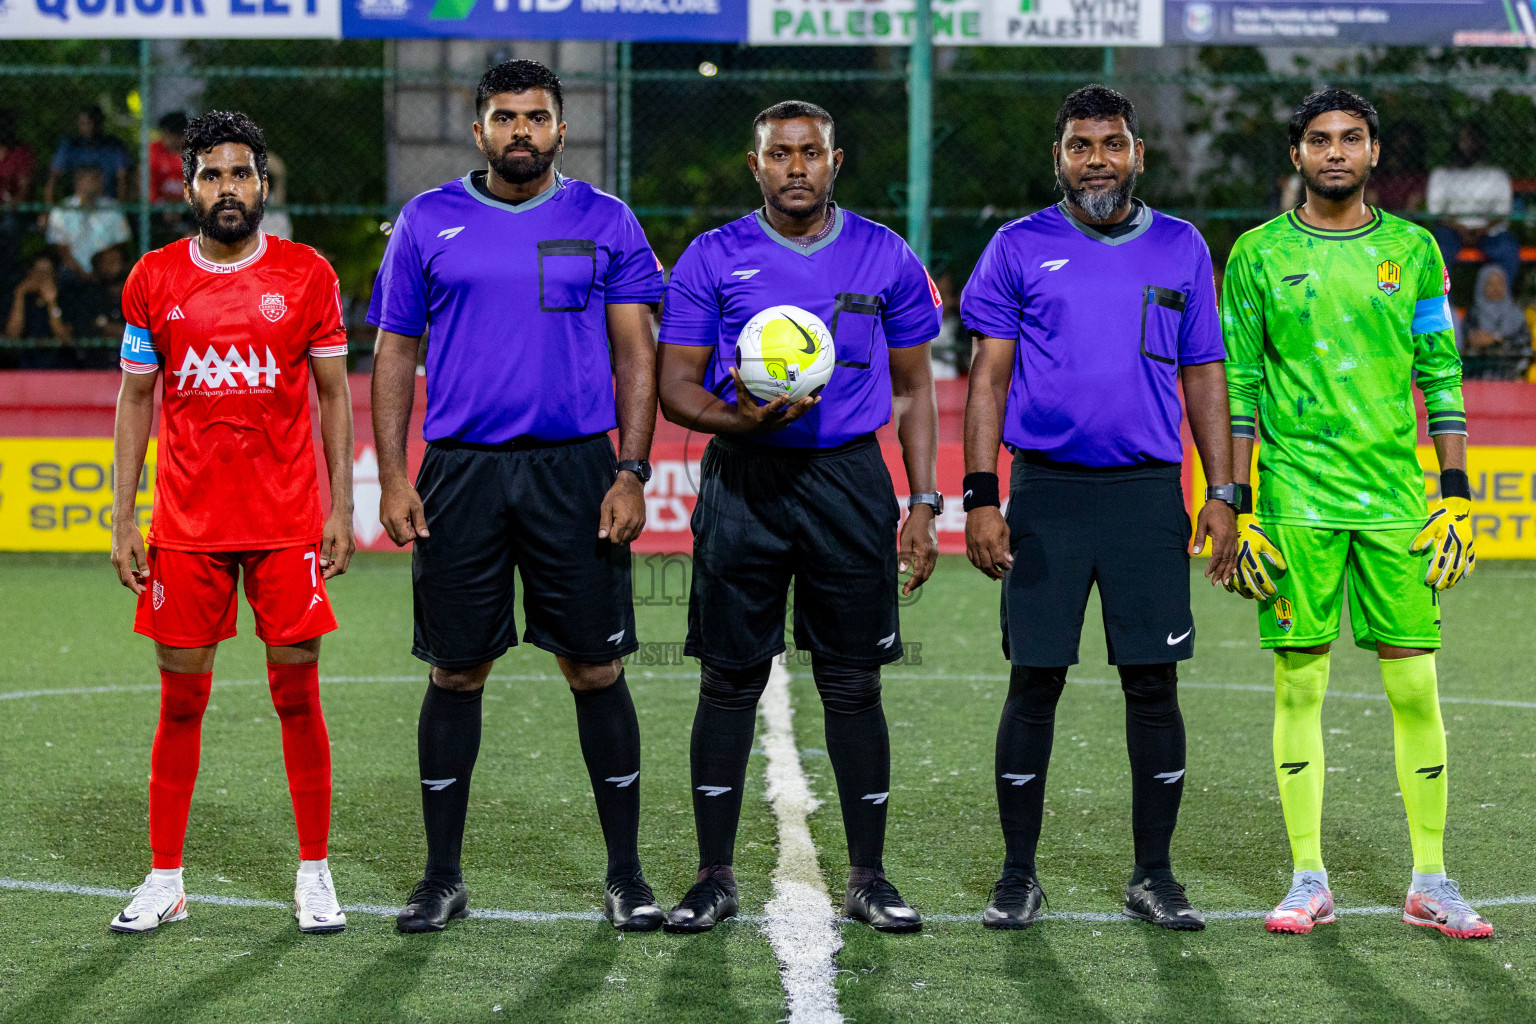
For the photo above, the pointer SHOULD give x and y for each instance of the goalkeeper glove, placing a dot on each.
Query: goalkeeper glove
(1447, 535)
(1250, 580)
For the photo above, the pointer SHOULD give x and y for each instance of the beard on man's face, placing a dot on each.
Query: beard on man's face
(1099, 205)
(521, 162)
(1335, 192)
(213, 222)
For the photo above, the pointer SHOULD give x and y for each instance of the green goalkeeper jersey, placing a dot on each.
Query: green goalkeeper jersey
(1327, 332)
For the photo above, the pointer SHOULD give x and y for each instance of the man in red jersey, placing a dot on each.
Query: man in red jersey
(238, 321)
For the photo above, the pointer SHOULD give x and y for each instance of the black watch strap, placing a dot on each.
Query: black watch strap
(640, 467)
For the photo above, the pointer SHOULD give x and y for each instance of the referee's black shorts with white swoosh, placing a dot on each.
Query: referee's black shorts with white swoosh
(533, 509)
(1122, 529)
(822, 518)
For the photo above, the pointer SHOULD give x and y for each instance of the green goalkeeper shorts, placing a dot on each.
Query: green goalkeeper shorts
(1388, 601)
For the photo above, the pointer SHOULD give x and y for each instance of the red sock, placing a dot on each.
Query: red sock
(173, 762)
(306, 752)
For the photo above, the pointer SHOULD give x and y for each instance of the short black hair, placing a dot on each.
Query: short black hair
(787, 110)
(94, 112)
(1096, 103)
(1325, 100)
(518, 76)
(216, 128)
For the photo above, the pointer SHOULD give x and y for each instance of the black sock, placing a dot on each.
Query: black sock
(1154, 739)
(859, 747)
(447, 743)
(610, 744)
(1024, 738)
(718, 752)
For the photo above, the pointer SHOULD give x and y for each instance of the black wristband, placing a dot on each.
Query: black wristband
(980, 491)
(1244, 500)
(1454, 484)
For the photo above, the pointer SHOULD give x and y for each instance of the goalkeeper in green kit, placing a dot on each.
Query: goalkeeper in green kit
(1331, 314)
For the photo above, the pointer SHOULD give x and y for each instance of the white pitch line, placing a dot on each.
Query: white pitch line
(1235, 687)
(549, 917)
(799, 920)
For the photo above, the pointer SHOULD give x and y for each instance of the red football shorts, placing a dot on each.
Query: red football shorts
(189, 596)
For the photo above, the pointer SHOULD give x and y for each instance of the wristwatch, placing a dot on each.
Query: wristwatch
(1229, 493)
(933, 499)
(640, 467)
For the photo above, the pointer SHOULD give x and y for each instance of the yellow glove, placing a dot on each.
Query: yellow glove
(1448, 536)
(1250, 580)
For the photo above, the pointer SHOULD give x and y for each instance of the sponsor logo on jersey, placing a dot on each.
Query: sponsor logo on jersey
(1295, 279)
(176, 314)
(157, 594)
(1389, 276)
(273, 307)
(1445, 279)
(1285, 615)
(212, 371)
(1055, 265)
(745, 275)
(933, 291)
(450, 232)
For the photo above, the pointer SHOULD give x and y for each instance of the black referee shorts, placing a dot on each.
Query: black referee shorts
(823, 518)
(535, 510)
(1122, 529)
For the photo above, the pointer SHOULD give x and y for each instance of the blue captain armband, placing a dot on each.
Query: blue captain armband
(1431, 315)
(138, 353)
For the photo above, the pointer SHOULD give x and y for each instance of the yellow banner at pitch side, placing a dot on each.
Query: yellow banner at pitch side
(1503, 496)
(56, 493)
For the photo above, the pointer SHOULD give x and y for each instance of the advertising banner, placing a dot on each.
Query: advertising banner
(711, 20)
(170, 19)
(1324, 23)
(959, 22)
(56, 494)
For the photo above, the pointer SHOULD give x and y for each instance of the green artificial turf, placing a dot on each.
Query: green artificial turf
(76, 768)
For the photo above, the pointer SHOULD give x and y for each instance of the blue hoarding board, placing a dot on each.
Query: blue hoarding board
(712, 20)
(1325, 23)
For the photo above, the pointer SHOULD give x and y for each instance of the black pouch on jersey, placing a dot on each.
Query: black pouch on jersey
(855, 318)
(1162, 313)
(567, 272)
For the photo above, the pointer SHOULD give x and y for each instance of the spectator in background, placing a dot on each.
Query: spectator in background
(36, 315)
(1494, 338)
(85, 225)
(165, 175)
(1399, 182)
(91, 148)
(17, 165)
(94, 308)
(276, 222)
(1473, 201)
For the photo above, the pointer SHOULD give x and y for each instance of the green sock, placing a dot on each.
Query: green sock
(1300, 681)
(1418, 737)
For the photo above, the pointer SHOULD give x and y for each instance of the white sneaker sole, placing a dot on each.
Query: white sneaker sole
(310, 926)
(132, 927)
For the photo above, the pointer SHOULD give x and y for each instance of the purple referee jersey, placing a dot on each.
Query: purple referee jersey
(1103, 325)
(514, 296)
(862, 280)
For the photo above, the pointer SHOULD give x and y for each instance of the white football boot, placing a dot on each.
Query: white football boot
(160, 900)
(314, 902)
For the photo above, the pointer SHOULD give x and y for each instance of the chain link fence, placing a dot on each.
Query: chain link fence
(667, 126)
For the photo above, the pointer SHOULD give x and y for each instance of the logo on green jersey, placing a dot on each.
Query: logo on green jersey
(1295, 279)
(1389, 276)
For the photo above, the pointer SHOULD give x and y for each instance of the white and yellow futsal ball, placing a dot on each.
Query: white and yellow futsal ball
(785, 351)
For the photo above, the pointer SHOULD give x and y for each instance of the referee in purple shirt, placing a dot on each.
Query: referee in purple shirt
(1088, 315)
(537, 289)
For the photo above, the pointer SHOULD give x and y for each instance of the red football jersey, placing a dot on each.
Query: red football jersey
(236, 463)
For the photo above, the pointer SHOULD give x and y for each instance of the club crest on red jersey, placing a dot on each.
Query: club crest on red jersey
(273, 307)
(157, 594)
